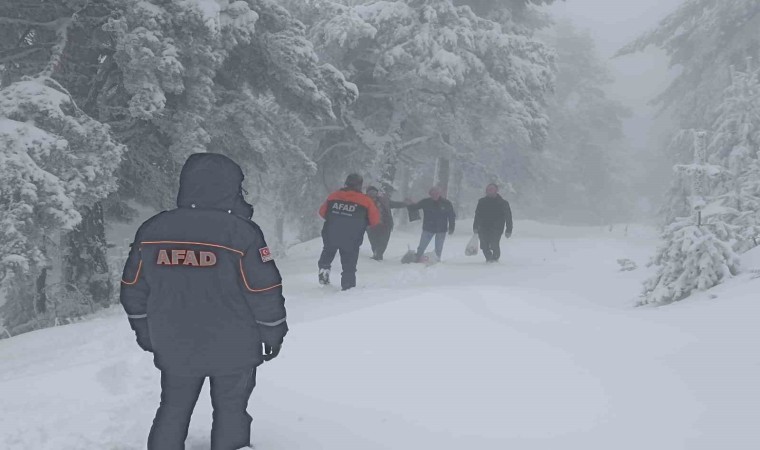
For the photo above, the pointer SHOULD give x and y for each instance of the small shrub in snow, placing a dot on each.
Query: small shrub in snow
(691, 259)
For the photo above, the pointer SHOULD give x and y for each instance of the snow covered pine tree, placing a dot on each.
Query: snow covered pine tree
(56, 160)
(697, 252)
(734, 146)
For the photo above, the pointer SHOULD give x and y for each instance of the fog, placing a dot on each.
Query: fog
(640, 77)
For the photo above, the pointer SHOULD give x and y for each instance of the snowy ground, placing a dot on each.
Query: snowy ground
(543, 351)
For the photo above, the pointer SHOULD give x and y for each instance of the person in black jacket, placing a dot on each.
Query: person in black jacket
(380, 235)
(347, 213)
(493, 217)
(202, 293)
(439, 218)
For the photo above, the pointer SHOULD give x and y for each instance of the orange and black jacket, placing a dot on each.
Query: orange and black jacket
(347, 215)
(200, 288)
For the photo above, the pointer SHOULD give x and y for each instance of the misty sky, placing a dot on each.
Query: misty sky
(640, 77)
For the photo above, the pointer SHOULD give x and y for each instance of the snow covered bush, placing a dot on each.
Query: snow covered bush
(55, 161)
(691, 259)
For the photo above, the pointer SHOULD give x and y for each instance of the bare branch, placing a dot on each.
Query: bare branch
(62, 32)
(53, 25)
(414, 142)
(27, 51)
(331, 148)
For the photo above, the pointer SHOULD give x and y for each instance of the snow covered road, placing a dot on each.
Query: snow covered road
(542, 351)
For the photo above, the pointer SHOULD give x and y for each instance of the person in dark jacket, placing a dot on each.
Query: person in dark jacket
(202, 293)
(493, 217)
(380, 235)
(439, 218)
(347, 215)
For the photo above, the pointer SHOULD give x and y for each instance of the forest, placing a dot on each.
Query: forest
(102, 101)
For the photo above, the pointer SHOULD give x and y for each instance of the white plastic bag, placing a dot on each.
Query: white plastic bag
(472, 246)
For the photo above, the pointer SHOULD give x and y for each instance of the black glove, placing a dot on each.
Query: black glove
(270, 352)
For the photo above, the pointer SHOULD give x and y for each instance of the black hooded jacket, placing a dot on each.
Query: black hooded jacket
(200, 287)
(492, 216)
(439, 215)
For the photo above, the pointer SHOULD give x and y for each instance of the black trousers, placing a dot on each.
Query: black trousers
(378, 239)
(231, 428)
(349, 256)
(489, 243)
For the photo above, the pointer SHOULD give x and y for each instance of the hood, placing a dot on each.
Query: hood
(211, 180)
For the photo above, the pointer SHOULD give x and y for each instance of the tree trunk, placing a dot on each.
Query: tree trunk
(86, 258)
(405, 191)
(457, 179)
(406, 182)
(40, 306)
(389, 176)
(442, 175)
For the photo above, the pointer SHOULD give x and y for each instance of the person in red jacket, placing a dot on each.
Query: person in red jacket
(347, 213)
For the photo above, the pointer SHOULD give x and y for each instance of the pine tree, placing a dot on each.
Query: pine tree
(182, 70)
(63, 41)
(702, 37)
(56, 162)
(697, 252)
(734, 146)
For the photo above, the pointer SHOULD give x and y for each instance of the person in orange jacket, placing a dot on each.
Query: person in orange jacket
(347, 213)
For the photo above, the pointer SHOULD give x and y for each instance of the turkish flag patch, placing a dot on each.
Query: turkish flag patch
(266, 255)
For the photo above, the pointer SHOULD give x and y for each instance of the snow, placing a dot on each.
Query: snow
(209, 11)
(541, 351)
(751, 259)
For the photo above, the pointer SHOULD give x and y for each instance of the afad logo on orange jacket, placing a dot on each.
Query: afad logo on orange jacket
(180, 257)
